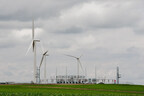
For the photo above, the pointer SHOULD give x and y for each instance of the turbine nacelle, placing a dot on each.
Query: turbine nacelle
(36, 40)
(33, 44)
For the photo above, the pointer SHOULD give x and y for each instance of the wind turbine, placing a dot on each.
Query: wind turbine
(43, 57)
(78, 63)
(33, 45)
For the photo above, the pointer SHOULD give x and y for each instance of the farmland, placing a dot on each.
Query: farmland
(72, 90)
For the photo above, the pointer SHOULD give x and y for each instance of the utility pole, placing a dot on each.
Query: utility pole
(77, 70)
(118, 75)
(85, 73)
(56, 75)
(66, 75)
(95, 75)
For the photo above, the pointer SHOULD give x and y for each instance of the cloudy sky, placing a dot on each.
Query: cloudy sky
(107, 33)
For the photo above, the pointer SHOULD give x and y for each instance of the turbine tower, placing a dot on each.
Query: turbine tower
(45, 69)
(78, 63)
(43, 57)
(33, 45)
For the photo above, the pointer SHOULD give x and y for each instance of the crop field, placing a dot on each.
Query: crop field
(72, 90)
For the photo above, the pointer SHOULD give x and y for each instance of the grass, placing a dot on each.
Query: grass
(72, 90)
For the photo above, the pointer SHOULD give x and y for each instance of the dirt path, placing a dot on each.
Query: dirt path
(86, 89)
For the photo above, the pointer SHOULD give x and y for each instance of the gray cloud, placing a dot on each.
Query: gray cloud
(72, 30)
(24, 10)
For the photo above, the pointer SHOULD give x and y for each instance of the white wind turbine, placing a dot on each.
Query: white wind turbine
(33, 45)
(78, 63)
(43, 57)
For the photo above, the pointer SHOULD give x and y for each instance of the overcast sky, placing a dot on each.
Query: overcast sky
(107, 33)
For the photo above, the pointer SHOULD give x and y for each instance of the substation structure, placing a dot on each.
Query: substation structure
(75, 79)
(70, 79)
(100, 81)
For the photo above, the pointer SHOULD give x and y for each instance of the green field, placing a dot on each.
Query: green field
(72, 90)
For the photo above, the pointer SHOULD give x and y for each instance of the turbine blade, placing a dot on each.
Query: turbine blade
(80, 65)
(29, 48)
(33, 29)
(47, 55)
(70, 56)
(41, 61)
